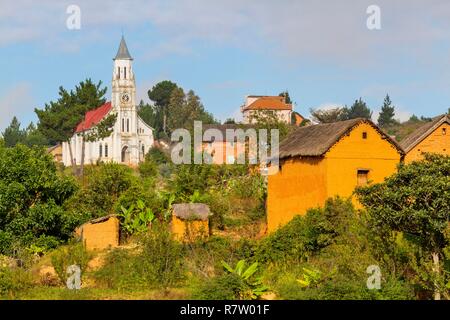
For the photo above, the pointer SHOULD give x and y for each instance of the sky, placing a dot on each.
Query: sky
(322, 52)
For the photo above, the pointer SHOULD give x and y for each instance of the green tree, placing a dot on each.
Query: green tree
(386, 117)
(415, 201)
(32, 199)
(161, 94)
(34, 137)
(13, 134)
(359, 109)
(326, 116)
(286, 96)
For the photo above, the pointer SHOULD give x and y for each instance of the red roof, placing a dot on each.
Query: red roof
(269, 103)
(93, 117)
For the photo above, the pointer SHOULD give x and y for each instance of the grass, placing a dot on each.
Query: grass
(60, 293)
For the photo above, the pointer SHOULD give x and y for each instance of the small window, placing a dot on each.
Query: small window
(364, 135)
(362, 177)
(125, 72)
(143, 149)
(119, 73)
(100, 151)
(106, 150)
(444, 131)
(123, 125)
(128, 125)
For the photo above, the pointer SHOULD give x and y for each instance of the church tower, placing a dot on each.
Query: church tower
(124, 102)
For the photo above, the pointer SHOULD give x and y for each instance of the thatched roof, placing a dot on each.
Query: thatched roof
(316, 140)
(223, 129)
(424, 131)
(188, 211)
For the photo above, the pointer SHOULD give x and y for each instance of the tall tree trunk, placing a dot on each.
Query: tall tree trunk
(436, 269)
(83, 146)
(74, 169)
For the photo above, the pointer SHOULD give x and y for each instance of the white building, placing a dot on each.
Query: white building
(262, 104)
(131, 137)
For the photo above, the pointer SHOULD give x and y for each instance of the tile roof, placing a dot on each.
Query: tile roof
(93, 117)
(269, 103)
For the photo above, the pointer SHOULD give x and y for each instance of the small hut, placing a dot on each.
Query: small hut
(190, 221)
(101, 233)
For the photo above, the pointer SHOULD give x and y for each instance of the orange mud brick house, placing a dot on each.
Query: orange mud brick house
(433, 137)
(217, 147)
(325, 160)
(101, 233)
(190, 221)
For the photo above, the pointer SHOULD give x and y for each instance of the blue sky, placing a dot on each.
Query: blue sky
(320, 51)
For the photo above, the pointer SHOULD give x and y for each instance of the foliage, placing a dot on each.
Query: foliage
(157, 264)
(136, 219)
(65, 256)
(386, 117)
(305, 235)
(104, 185)
(30, 136)
(33, 195)
(14, 281)
(326, 116)
(359, 109)
(416, 201)
(237, 283)
(251, 289)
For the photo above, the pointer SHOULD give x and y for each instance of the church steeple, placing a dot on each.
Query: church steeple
(123, 53)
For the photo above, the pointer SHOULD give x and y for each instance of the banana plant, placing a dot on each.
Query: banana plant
(311, 278)
(255, 287)
(136, 219)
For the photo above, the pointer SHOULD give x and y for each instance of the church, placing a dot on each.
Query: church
(131, 137)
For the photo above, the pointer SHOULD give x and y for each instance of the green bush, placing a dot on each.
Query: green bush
(65, 256)
(104, 185)
(13, 281)
(157, 264)
(224, 287)
(32, 199)
(305, 235)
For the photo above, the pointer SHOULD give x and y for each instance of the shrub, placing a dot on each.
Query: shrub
(33, 195)
(304, 235)
(65, 256)
(13, 281)
(157, 264)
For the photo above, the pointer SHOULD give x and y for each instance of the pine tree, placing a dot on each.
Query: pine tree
(13, 134)
(359, 109)
(386, 117)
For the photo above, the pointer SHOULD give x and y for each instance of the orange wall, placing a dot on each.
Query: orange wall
(189, 230)
(435, 142)
(298, 186)
(306, 183)
(354, 153)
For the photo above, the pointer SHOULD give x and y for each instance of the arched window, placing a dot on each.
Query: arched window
(119, 73)
(125, 72)
(106, 150)
(128, 125)
(100, 151)
(123, 125)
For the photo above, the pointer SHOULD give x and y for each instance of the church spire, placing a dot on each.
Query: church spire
(123, 53)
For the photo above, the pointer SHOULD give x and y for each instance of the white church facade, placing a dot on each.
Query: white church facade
(131, 137)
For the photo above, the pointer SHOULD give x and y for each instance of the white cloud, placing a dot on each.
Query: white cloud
(330, 31)
(16, 101)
